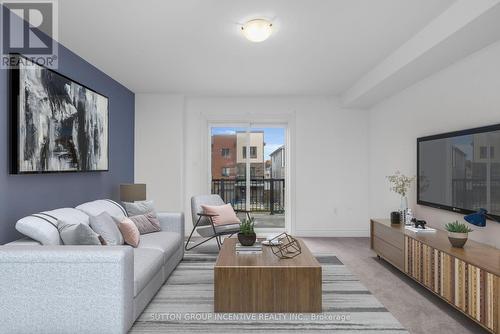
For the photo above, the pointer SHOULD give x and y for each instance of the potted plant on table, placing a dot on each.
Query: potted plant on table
(247, 235)
(457, 233)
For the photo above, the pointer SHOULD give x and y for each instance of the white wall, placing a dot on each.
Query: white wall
(159, 148)
(329, 155)
(462, 96)
(340, 157)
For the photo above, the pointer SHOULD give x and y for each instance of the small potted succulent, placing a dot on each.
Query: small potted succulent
(247, 235)
(457, 233)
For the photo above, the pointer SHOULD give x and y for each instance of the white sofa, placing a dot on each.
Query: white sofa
(85, 289)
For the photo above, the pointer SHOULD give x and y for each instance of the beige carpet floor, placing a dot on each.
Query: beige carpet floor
(185, 305)
(417, 309)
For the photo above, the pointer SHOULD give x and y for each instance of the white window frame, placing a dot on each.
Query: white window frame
(286, 121)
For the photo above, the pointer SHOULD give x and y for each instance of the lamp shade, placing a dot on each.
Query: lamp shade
(257, 30)
(132, 192)
(478, 218)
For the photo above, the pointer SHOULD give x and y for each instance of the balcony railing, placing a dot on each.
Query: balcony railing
(266, 195)
(473, 194)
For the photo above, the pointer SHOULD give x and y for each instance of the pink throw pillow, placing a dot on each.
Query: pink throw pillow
(129, 231)
(225, 214)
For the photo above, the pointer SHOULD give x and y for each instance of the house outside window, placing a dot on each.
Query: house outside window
(483, 152)
(253, 152)
(278, 163)
(226, 171)
(224, 152)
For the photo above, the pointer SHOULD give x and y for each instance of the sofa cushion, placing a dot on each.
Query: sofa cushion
(147, 262)
(139, 207)
(208, 231)
(42, 226)
(166, 242)
(77, 234)
(223, 214)
(23, 242)
(105, 226)
(147, 223)
(129, 231)
(95, 208)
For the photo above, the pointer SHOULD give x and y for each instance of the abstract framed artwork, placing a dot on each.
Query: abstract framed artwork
(57, 124)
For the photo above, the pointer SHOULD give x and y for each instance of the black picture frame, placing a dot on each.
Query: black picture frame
(14, 106)
(483, 129)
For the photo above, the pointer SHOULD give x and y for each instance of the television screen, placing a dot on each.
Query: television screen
(460, 171)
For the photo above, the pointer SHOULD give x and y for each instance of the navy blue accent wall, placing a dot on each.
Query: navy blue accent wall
(21, 195)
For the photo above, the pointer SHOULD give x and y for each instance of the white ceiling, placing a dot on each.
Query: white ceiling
(195, 46)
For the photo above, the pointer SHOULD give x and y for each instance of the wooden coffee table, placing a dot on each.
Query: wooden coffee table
(265, 283)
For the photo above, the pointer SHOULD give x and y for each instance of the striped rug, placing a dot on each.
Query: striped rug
(185, 304)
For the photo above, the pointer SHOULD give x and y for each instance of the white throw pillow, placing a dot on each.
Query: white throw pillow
(77, 234)
(42, 226)
(95, 208)
(105, 226)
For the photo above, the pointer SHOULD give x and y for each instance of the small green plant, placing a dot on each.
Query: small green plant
(246, 227)
(457, 227)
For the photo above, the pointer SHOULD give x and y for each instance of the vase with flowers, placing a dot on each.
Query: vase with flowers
(400, 184)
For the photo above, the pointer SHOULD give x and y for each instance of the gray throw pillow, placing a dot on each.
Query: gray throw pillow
(104, 225)
(147, 223)
(77, 234)
(139, 208)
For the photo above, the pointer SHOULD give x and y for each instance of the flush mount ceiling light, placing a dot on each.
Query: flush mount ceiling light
(257, 30)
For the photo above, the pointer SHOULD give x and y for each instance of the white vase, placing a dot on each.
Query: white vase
(403, 208)
(404, 204)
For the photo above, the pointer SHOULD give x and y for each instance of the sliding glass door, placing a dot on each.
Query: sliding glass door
(248, 170)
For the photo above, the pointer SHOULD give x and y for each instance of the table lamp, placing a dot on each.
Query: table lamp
(479, 218)
(133, 192)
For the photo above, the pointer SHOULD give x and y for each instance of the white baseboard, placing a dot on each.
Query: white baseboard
(333, 233)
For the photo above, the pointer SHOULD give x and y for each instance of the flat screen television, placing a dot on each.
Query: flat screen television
(460, 171)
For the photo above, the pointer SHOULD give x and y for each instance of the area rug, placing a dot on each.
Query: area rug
(185, 305)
